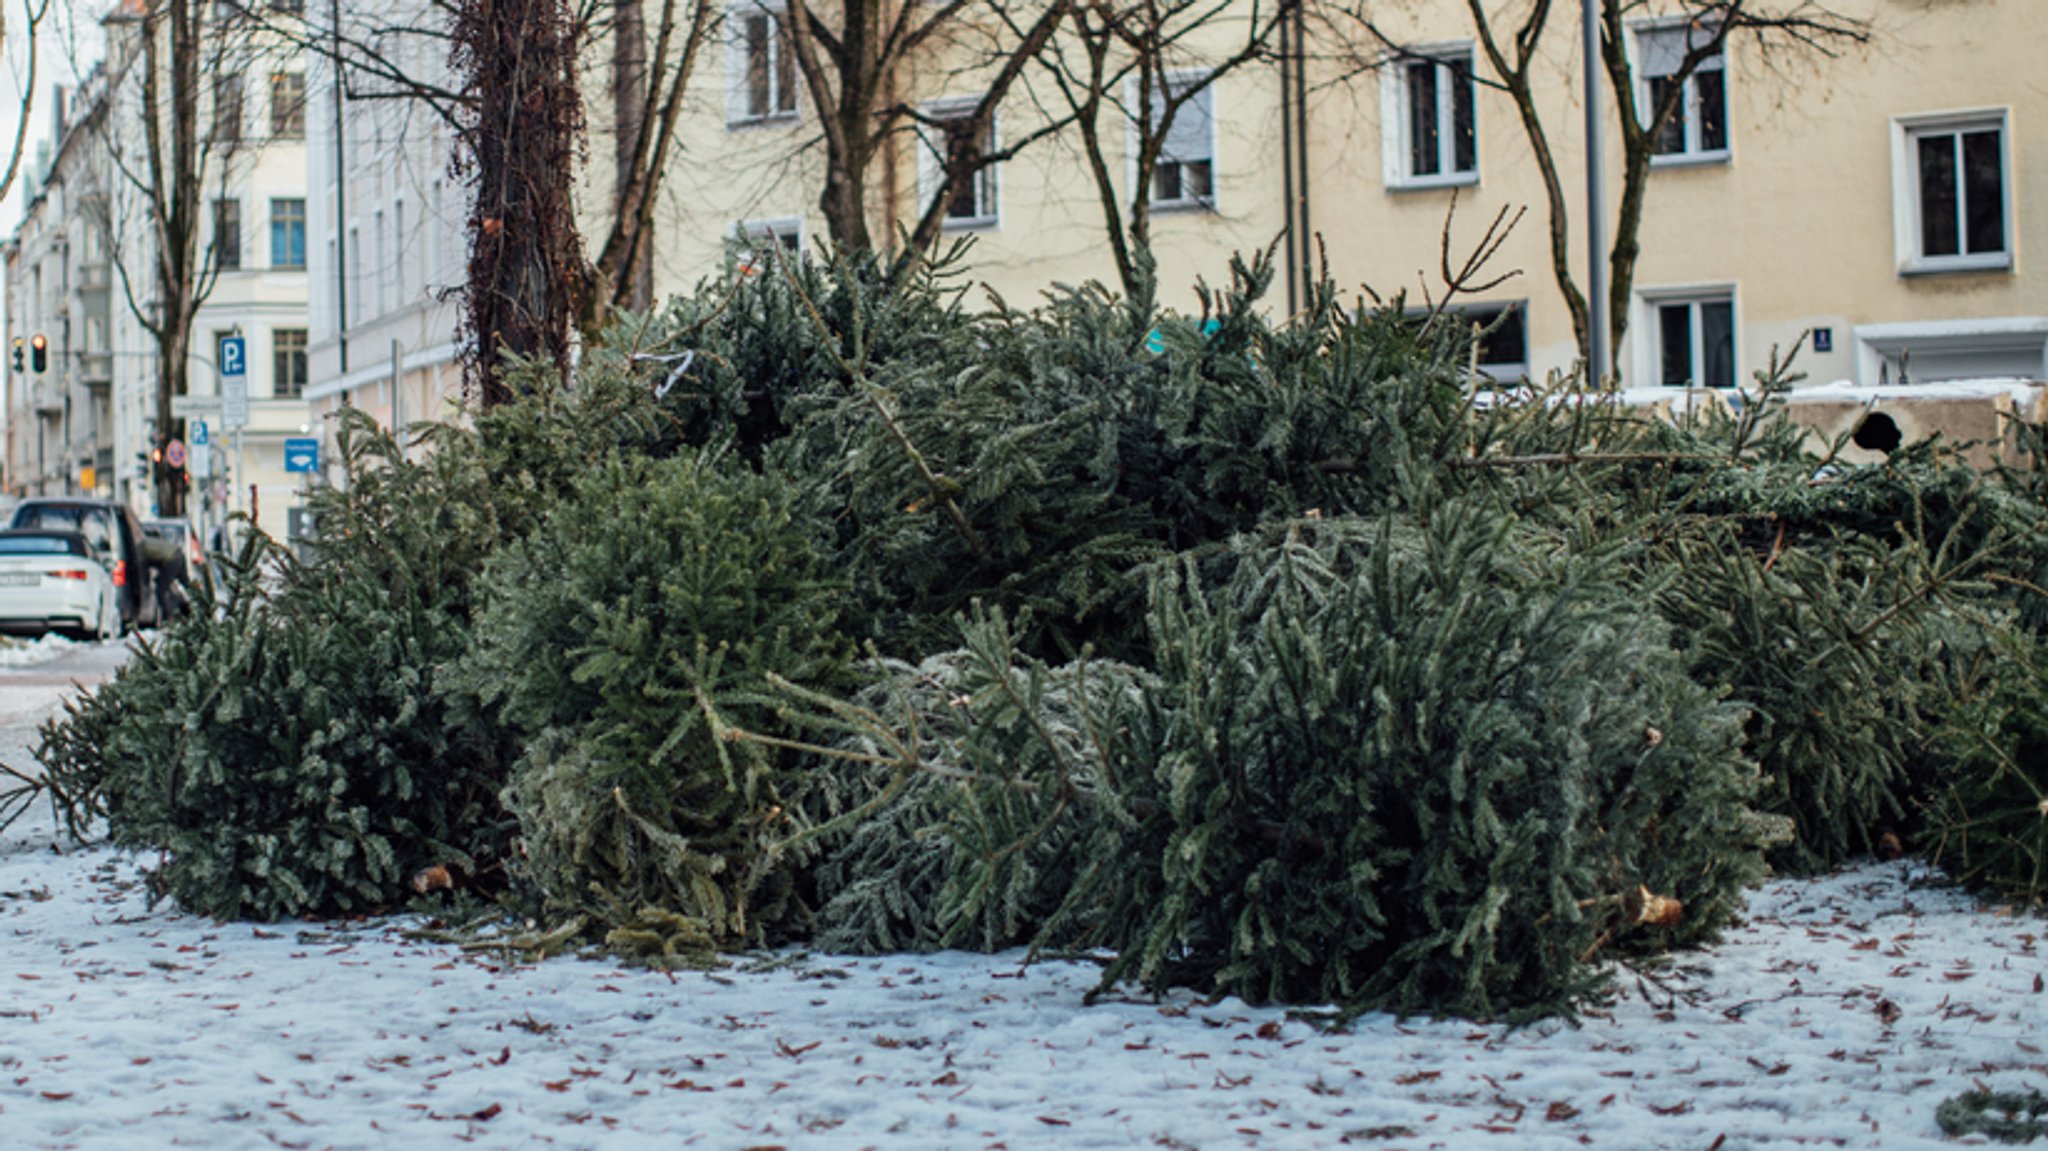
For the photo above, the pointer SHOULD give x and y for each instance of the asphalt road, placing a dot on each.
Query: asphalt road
(29, 695)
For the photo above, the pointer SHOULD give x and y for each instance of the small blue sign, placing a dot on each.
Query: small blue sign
(199, 439)
(234, 356)
(301, 455)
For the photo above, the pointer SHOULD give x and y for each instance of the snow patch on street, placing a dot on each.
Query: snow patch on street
(32, 652)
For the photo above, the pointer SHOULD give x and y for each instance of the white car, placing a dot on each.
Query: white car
(55, 581)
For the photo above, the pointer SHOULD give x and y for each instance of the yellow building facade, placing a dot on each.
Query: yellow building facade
(1872, 197)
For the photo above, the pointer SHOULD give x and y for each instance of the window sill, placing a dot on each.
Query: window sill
(971, 224)
(1691, 159)
(1434, 183)
(1176, 207)
(1950, 265)
(746, 123)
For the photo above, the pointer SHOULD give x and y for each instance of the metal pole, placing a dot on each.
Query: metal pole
(242, 475)
(1308, 265)
(1600, 366)
(340, 190)
(397, 405)
(1291, 229)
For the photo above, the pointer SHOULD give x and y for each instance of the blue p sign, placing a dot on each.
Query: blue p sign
(234, 360)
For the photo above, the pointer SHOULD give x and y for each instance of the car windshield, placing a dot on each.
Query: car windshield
(93, 523)
(38, 545)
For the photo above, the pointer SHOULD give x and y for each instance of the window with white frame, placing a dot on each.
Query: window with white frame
(761, 78)
(756, 244)
(288, 233)
(288, 362)
(1698, 127)
(1184, 175)
(227, 106)
(1431, 127)
(1499, 333)
(1694, 338)
(1953, 203)
(288, 105)
(227, 234)
(952, 138)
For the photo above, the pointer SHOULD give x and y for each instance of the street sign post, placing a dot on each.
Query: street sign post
(234, 382)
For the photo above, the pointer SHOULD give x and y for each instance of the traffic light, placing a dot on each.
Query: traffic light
(39, 352)
(19, 343)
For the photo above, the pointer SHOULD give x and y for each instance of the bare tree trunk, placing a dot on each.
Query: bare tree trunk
(30, 56)
(648, 99)
(848, 113)
(170, 189)
(525, 265)
(1085, 94)
(1514, 78)
(629, 121)
(959, 164)
(1149, 38)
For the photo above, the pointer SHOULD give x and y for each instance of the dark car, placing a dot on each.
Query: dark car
(114, 533)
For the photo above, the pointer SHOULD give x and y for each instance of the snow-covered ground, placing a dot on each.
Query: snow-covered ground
(1839, 1014)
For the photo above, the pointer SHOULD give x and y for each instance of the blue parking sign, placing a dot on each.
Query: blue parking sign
(234, 356)
(301, 455)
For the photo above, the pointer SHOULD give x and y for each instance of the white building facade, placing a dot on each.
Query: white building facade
(59, 408)
(81, 273)
(387, 225)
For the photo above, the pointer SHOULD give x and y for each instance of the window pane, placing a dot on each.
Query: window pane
(1464, 137)
(1984, 191)
(288, 105)
(1503, 341)
(1194, 180)
(962, 151)
(288, 234)
(1938, 222)
(1190, 137)
(227, 234)
(1717, 344)
(227, 106)
(1670, 139)
(785, 68)
(1674, 334)
(1166, 181)
(288, 362)
(1710, 85)
(757, 30)
(1422, 131)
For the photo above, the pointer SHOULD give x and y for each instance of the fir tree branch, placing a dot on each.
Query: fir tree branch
(939, 488)
(2022, 584)
(1353, 466)
(1548, 459)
